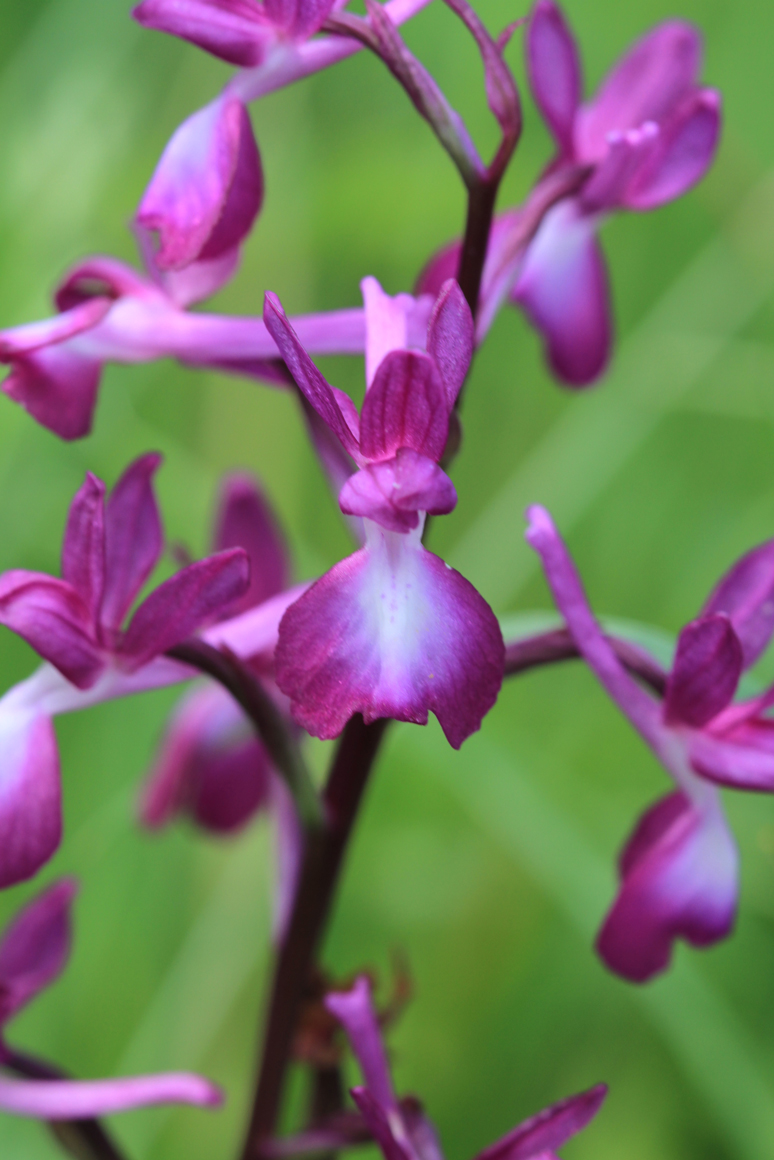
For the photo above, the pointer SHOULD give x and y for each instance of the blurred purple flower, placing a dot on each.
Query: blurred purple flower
(391, 631)
(400, 1127)
(679, 868)
(647, 136)
(75, 623)
(112, 313)
(34, 950)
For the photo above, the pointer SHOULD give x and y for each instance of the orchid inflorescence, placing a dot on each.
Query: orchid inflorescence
(391, 632)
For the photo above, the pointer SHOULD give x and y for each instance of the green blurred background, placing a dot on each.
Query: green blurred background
(491, 868)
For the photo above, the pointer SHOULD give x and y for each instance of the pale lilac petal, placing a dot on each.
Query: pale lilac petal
(571, 601)
(207, 188)
(182, 604)
(679, 880)
(230, 29)
(319, 393)
(450, 335)
(394, 492)
(686, 148)
(299, 18)
(746, 595)
(245, 520)
(562, 288)
(30, 795)
(629, 155)
(51, 616)
(32, 336)
(384, 1128)
(83, 547)
(355, 1011)
(705, 673)
(35, 947)
(84, 1099)
(386, 324)
(646, 85)
(133, 538)
(391, 631)
(554, 70)
(549, 1129)
(741, 758)
(405, 406)
(57, 386)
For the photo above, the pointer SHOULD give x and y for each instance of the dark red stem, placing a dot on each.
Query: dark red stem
(547, 648)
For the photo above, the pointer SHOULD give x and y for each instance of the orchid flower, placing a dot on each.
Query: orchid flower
(400, 1127)
(391, 631)
(109, 312)
(210, 764)
(647, 136)
(679, 869)
(34, 950)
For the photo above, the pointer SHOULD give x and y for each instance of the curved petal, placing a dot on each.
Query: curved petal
(355, 1011)
(549, 1129)
(182, 604)
(245, 520)
(83, 547)
(75, 319)
(30, 795)
(628, 155)
(405, 406)
(554, 70)
(230, 29)
(742, 758)
(62, 1099)
(746, 595)
(58, 386)
(450, 338)
(684, 152)
(705, 673)
(392, 631)
(133, 538)
(35, 947)
(562, 289)
(646, 85)
(679, 880)
(299, 18)
(51, 616)
(207, 188)
(393, 493)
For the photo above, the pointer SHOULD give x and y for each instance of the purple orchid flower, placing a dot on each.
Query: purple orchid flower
(648, 135)
(391, 631)
(210, 765)
(679, 869)
(111, 313)
(400, 1127)
(34, 950)
(76, 623)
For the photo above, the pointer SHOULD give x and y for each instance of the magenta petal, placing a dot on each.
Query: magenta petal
(549, 1129)
(229, 29)
(382, 1126)
(741, 758)
(386, 324)
(687, 145)
(391, 631)
(443, 265)
(319, 393)
(299, 18)
(85, 1099)
(679, 872)
(245, 520)
(182, 604)
(392, 493)
(646, 85)
(51, 616)
(562, 289)
(83, 549)
(22, 340)
(405, 406)
(355, 1011)
(450, 335)
(133, 538)
(705, 673)
(35, 947)
(207, 187)
(554, 70)
(30, 796)
(58, 387)
(628, 155)
(746, 595)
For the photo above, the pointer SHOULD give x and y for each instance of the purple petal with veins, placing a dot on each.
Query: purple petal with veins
(554, 70)
(705, 672)
(83, 547)
(549, 1129)
(232, 30)
(450, 338)
(746, 595)
(35, 947)
(133, 537)
(51, 616)
(405, 406)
